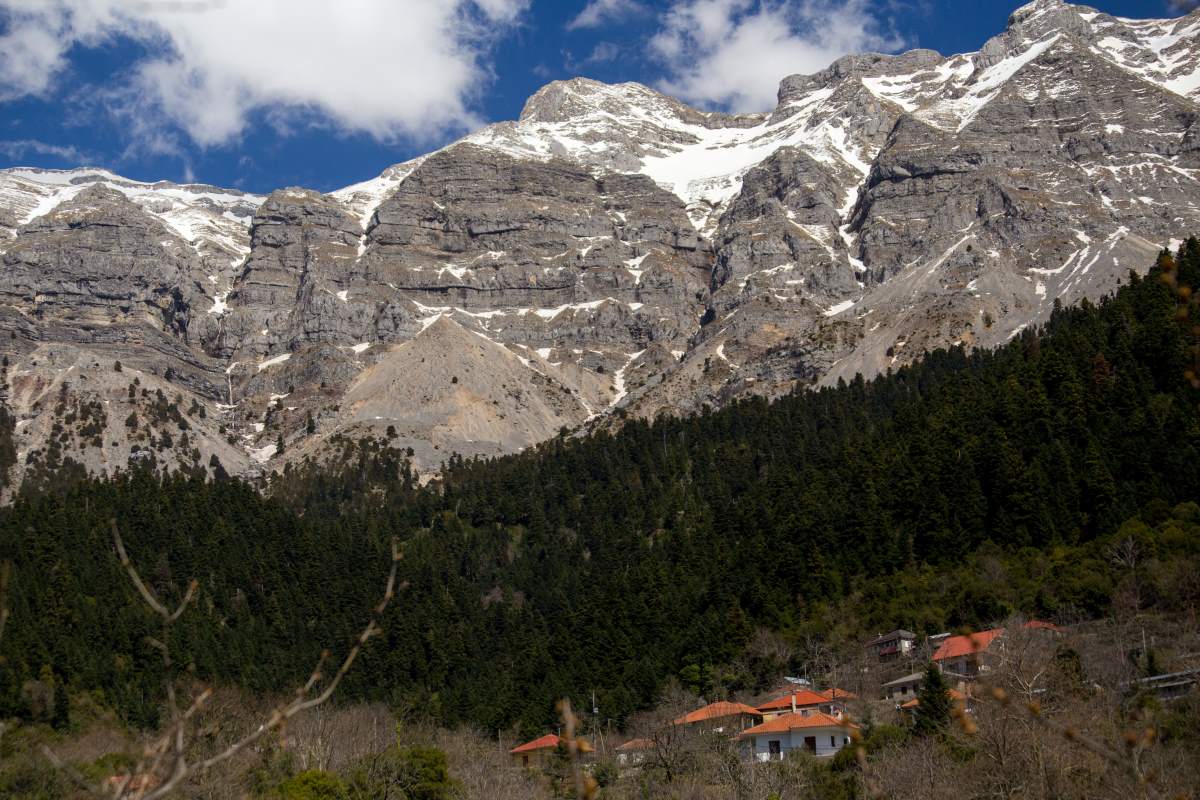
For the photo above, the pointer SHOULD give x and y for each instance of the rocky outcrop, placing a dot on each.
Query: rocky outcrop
(611, 249)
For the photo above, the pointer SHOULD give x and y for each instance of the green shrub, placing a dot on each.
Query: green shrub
(313, 784)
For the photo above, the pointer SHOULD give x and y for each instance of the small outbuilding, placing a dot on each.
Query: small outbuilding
(903, 688)
(535, 753)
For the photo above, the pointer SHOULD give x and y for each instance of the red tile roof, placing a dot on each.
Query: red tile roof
(1037, 624)
(967, 644)
(791, 722)
(957, 646)
(805, 698)
(547, 742)
(954, 694)
(839, 694)
(635, 744)
(717, 710)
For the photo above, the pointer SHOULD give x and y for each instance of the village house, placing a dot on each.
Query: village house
(903, 688)
(807, 701)
(722, 717)
(816, 733)
(893, 645)
(535, 753)
(966, 656)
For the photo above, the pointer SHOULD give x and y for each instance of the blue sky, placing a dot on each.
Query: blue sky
(261, 94)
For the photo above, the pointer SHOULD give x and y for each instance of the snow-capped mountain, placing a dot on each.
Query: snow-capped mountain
(216, 222)
(611, 249)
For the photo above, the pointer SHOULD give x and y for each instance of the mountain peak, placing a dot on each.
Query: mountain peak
(1037, 7)
(1048, 16)
(616, 248)
(563, 101)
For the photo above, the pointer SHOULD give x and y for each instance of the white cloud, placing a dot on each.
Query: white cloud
(20, 148)
(389, 68)
(733, 53)
(604, 51)
(600, 12)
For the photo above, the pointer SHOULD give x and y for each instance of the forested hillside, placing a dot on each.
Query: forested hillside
(615, 561)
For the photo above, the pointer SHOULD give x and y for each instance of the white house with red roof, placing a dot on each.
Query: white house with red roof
(534, 753)
(722, 717)
(967, 655)
(815, 733)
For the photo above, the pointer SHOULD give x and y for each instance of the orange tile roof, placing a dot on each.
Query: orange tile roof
(805, 698)
(791, 722)
(717, 710)
(839, 694)
(636, 744)
(1037, 624)
(546, 742)
(967, 644)
(954, 694)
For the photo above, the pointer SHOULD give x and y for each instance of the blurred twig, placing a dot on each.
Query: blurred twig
(585, 785)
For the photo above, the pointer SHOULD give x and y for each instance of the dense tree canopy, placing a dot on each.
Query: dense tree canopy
(611, 562)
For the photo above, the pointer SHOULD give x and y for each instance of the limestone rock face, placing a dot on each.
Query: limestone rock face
(611, 249)
(98, 261)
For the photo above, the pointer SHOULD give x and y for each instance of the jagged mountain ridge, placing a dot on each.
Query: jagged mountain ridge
(627, 250)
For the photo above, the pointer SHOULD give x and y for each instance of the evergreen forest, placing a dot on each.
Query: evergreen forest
(653, 551)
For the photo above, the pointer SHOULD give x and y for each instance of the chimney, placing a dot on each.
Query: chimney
(793, 703)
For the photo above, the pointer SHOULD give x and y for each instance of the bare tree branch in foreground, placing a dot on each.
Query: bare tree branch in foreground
(164, 764)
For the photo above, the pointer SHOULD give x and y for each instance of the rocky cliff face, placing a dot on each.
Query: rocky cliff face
(611, 249)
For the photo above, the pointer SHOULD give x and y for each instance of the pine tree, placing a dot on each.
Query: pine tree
(933, 709)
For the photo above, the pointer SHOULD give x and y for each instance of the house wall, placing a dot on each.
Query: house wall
(731, 724)
(968, 665)
(904, 691)
(794, 740)
(533, 759)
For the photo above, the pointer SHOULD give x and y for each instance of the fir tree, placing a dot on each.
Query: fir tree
(933, 708)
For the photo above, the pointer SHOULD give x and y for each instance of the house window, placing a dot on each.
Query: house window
(832, 742)
(810, 744)
(773, 748)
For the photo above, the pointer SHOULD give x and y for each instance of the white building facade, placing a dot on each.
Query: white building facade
(817, 734)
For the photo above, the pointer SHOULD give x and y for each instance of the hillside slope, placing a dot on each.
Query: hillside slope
(951, 492)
